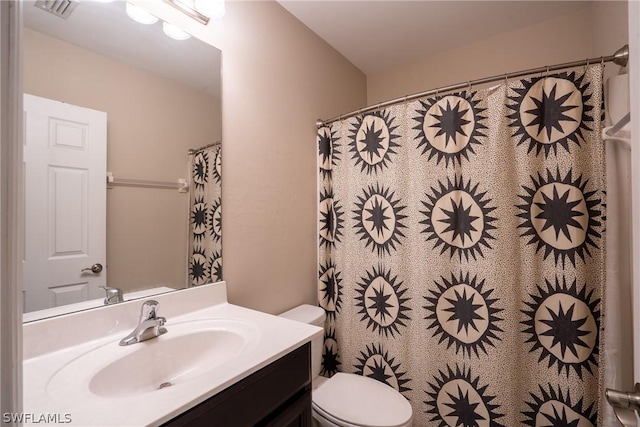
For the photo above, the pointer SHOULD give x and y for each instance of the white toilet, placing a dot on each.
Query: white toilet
(349, 400)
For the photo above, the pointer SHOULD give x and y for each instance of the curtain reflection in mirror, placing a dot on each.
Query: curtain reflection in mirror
(205, 227)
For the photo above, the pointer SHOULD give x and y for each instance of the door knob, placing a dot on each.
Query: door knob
(95, 268)
(624, 404)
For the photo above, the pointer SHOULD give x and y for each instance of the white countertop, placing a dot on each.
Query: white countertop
(47, 356)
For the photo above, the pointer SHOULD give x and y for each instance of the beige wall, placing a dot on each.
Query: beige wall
(610, 30)
(599, 29)
(278, 78)
(148, 138)
(566, 38)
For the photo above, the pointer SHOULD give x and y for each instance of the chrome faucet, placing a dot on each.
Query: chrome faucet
(149, 326)
(114, 295)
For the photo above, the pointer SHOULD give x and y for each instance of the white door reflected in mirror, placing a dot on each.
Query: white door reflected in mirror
(65, 155)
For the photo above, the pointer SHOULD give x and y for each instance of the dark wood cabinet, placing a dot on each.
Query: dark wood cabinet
(278, 395)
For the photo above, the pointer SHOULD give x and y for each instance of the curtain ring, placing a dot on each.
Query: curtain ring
(547, 74)
(469, 86)
(506, 78)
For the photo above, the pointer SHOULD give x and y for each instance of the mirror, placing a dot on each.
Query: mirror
(155, 99)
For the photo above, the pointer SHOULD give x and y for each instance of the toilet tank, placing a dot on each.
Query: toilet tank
(311, 315)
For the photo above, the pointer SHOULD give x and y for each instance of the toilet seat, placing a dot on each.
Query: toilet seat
(350, 400)
(317, 412)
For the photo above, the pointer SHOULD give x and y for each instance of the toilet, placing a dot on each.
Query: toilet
(349, 400)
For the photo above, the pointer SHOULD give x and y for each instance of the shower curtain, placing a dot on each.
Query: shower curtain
(205, 226)
(461, 251)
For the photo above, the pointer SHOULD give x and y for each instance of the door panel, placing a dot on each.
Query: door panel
(65, 202)
(68, 294)
(68, 194)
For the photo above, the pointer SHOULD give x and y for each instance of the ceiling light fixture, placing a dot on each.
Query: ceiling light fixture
(140, 15)
(200, 10)
(174, 32)
(189, 11)
(214, 9)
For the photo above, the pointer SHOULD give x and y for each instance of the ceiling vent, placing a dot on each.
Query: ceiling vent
(60, 8)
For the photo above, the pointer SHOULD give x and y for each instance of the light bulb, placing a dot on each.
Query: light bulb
(174, 32)
(214, 9)
(140, 15)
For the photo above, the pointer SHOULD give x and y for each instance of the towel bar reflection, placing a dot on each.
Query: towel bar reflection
(181, 184)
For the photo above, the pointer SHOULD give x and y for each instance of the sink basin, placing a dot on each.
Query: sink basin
(163, 363)
(186, 352)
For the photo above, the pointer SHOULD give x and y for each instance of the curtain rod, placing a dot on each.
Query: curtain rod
(620, 57)
(195, 150)
(181, 184)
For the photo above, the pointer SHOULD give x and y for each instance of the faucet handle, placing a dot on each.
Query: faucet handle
(149, 310)
(114, 295)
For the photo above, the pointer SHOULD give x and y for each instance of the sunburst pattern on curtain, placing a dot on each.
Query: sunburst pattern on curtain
(205, 216)
(461, 255)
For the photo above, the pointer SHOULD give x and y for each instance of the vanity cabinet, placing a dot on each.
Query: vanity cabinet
(278, 395)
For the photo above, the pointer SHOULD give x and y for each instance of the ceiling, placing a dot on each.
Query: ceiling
(104, 28)
(376, 35)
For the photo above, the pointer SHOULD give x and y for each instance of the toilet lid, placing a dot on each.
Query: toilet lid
(362, 401)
